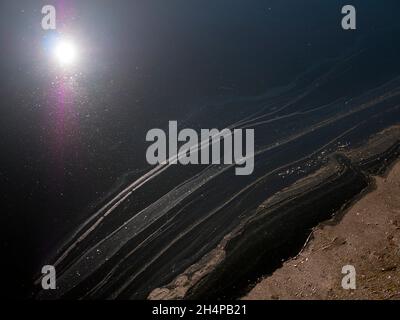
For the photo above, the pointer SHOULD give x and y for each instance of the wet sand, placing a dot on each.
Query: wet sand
(282, 225)
(367, 237)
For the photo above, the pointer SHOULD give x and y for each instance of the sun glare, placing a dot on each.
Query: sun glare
(65, 52)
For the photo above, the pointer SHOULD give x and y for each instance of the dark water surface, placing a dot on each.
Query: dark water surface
(284, 68)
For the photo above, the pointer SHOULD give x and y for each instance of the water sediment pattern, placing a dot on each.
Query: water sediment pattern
(157, 226)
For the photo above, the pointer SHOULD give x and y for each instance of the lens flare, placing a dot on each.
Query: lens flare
(65, 52)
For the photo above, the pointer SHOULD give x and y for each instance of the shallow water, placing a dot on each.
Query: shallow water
(78, 190)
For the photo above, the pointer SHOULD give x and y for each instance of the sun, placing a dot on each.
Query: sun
(65, 52)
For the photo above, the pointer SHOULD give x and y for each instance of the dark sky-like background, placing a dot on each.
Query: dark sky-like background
(142, 63)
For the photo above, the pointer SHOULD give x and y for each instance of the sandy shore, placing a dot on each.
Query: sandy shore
(367, 237)
(354, 214)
